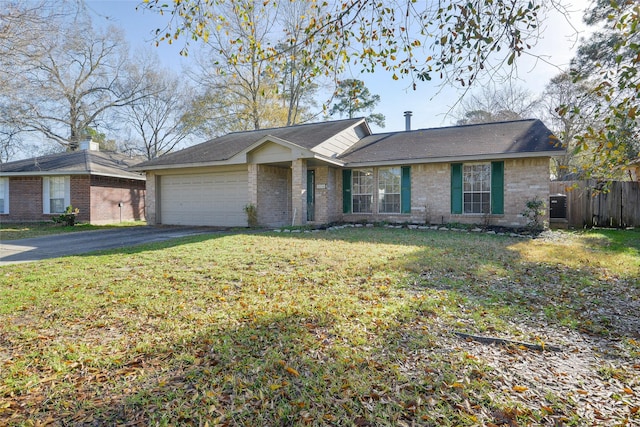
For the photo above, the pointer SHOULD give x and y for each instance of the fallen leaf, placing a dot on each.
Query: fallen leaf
(292, 371)
(627, 390)
(519, 388)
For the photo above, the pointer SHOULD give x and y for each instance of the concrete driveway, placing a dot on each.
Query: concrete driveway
(38, 248)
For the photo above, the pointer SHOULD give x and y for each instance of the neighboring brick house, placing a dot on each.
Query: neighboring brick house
(339, 171)
(98, 183)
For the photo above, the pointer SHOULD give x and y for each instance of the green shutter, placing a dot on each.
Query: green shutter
(497, 188)
(405, 190)
(456, 188)
(346, 190)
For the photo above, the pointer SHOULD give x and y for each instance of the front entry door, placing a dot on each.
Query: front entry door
(311, 195)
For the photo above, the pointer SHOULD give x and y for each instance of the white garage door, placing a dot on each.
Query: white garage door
(214, 199)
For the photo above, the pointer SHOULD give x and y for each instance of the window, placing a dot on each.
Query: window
(394, 190)
(389, 180)
(55, 194)
(4, 195)
(476, 188)
(362, 190)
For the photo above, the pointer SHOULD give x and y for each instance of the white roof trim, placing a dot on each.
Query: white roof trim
(241, 157)
(275, 140)
(63, 173)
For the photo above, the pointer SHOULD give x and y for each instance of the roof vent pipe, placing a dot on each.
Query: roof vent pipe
(407, 120)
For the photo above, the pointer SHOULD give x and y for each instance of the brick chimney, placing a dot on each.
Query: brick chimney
(89, 145)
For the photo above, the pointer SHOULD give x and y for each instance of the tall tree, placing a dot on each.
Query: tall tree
(353, 98)
(67, 79)
(609, 62)
(248, 83)
(21, 25)
(296, 65)
(491, 104)
(235, 63)
(563, 93)
(157, 119)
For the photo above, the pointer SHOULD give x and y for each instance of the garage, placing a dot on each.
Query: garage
(209, 199)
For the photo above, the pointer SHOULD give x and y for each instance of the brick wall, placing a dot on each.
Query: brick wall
(524, 179)
(95, 205)
(81, 196)
(274, 195)
(25, 200)
(108, 193)
(328, 199)
(151, 198)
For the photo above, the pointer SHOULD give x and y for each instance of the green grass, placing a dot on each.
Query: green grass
(14, 231)
(340, 328)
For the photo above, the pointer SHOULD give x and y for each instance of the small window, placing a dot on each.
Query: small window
(389, 184)
(362, 190)
(477, 188)
(4, 195)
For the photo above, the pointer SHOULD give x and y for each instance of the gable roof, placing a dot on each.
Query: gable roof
(306, 136)
(520, 138)
(350, 143)
(80, 162)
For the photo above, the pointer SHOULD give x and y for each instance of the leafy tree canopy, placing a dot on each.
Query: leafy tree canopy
(451, 40)
(608, 62)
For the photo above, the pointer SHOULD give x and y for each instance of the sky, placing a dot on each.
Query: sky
(431, 103)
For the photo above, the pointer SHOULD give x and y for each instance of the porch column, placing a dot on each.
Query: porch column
(299, 191)
(151, 198)
(252, 169)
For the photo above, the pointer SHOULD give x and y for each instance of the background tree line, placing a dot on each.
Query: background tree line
(63, 79)
(264, 64)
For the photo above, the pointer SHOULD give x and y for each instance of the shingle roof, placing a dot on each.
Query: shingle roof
(499, 140)
(225, 147)
(75, 163)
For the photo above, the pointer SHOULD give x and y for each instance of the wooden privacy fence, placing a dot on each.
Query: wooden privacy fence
(600, 204)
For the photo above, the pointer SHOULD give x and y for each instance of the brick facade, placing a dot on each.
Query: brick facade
(273, 195)
(115, 200)
(278, 191)
(524, 179)
(25, 200)
(95, 197)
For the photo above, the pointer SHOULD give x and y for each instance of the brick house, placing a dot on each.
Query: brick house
(339, 171)
(98, 183)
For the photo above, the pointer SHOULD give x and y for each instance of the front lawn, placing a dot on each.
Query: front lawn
(353, 327)
(14, 231)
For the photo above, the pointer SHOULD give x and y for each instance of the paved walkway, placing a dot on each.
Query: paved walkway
(38, 248)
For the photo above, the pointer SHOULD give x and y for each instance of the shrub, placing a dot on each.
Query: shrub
(252, 215)
(68, 217)
(534, 211)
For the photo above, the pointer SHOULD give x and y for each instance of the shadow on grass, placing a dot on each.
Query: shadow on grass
(570, 288)
(288, 369)
(330, 366)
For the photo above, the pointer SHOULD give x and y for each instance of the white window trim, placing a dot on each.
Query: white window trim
(46, 202)
(354, 194)
(4, 182)
(468, 192)
(399, 193)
